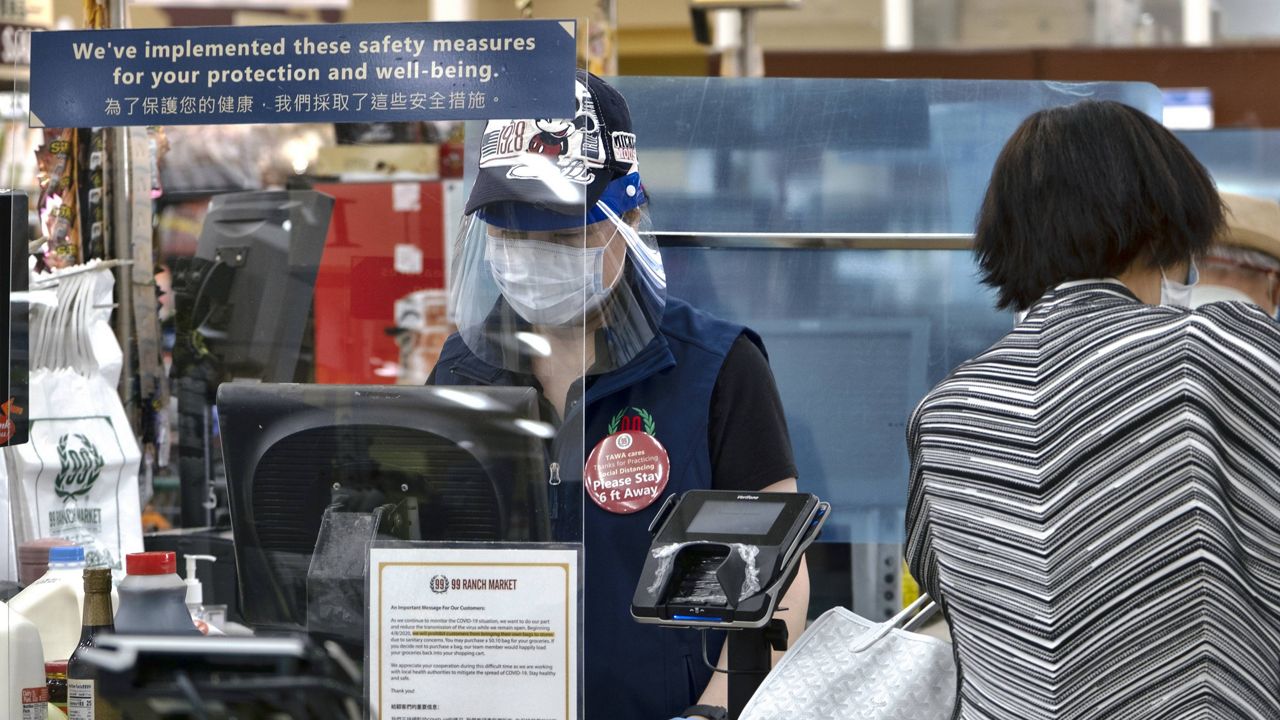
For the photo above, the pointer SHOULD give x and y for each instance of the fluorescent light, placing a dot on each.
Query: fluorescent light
(538, 429)
(537, 344)
(474, 401)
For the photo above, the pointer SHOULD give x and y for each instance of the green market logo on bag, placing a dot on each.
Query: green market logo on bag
(640, 421)
(81, 466)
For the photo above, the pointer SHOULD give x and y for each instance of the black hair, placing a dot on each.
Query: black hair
(1084, 191)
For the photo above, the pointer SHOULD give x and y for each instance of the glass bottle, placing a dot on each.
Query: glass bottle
(83, 699)
(55, 674)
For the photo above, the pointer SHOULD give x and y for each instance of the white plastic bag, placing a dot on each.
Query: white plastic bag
(77, 478)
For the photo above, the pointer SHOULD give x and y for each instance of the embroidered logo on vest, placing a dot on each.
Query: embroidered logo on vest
(641, 420)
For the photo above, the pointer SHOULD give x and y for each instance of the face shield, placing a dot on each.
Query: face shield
(528, 283)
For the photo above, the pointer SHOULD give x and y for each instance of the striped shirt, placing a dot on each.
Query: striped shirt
(1096, 502)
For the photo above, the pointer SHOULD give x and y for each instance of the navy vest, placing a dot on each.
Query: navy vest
(634, 671)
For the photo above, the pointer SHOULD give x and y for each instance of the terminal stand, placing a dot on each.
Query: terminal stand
(750, 658)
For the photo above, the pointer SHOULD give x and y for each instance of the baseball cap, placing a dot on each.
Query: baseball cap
(558, 168)
(1252, 223)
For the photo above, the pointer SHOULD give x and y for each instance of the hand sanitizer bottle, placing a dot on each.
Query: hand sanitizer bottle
(195, 591)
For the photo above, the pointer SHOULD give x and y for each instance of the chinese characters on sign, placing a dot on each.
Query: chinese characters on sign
(317, 73)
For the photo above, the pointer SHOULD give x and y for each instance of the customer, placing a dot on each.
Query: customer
(1095, 500)
(1244, 264)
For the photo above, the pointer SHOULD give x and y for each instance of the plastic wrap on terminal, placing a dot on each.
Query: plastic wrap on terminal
(705, 573)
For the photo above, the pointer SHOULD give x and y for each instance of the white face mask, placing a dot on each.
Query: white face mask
(546, 283)
(1178, 294)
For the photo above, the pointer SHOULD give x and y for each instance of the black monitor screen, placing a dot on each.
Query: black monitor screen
(256, 265)
(445, 464)
(727, 517)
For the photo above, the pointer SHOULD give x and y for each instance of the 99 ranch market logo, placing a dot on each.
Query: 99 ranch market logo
(640, 421)
(81, 466)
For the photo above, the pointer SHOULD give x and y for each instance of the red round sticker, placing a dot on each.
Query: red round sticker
(627, 472)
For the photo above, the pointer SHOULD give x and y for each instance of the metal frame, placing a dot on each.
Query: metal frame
(826, 241)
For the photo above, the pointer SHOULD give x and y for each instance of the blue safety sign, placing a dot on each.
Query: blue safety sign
(376, 72)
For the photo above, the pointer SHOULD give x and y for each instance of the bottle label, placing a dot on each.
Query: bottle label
(79, 699)
(35, 703)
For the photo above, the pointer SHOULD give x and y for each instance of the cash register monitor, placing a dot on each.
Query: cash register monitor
(456, 464)
(253, 277)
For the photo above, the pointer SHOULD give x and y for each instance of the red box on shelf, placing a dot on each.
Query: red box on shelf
(386, 240)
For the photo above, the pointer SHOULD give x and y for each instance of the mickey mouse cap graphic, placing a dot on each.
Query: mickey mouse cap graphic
(558, 164)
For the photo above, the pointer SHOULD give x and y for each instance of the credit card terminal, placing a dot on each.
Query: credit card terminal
(723, 558)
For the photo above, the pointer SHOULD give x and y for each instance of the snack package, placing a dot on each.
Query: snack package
(56, 168)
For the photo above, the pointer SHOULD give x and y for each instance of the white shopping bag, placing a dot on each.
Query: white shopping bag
(77, 477)
(845, 667)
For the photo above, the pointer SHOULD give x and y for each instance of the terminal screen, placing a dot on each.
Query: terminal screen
(729, 517)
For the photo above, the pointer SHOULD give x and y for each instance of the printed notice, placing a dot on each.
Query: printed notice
(375, 72)
(473, 633)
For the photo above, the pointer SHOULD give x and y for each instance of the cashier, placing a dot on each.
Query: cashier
(557, 285)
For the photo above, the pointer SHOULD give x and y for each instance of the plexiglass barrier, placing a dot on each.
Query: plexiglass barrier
(855, 339)
(780, 155)
(21, 651)
(1241, 161)
(304, 269)
(834, 217)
